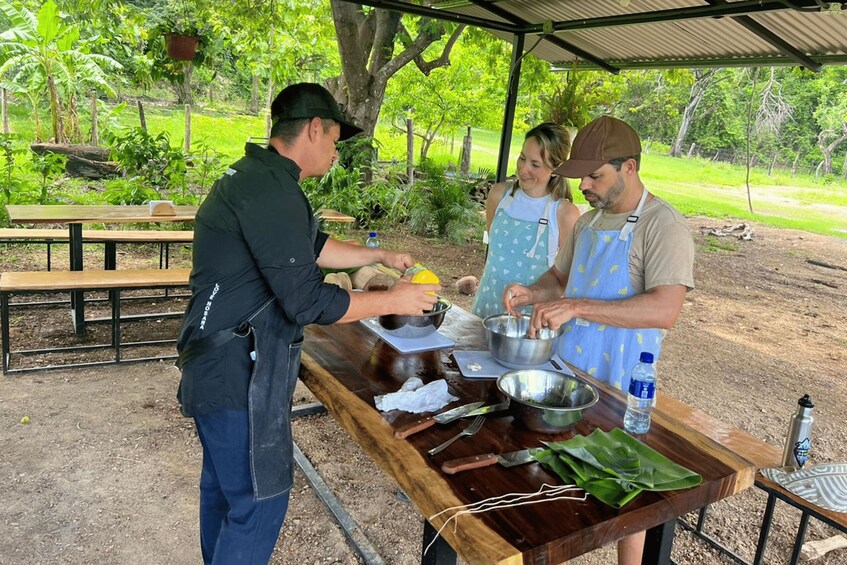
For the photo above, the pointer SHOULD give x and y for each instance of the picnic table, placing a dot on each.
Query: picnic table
(345, 366)
(75, 216)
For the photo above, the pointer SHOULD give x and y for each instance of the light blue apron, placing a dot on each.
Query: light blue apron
(512, 257)
(600, 270)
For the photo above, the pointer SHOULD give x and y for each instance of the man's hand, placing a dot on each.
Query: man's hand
(551, 315)
(412, 299)
(515, 296)
(393, 259)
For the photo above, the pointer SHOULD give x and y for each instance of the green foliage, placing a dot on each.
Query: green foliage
(151, 159)
(443, 206)
(9, 180)
(128, 191)
(206, 166)
(47, 166)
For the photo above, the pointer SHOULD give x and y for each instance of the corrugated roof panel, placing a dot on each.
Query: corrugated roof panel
(820, 34)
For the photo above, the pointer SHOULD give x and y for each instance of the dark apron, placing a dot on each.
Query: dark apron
(276, 344)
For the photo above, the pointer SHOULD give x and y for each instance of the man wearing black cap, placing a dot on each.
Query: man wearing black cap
(619, 282)
(256, 282)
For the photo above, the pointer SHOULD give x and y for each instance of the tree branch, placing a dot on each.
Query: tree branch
(443, 60)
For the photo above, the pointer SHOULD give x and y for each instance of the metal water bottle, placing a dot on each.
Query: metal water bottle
(799, 440)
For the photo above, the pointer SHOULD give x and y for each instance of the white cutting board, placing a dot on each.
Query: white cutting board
(434, 340)
(489, 368)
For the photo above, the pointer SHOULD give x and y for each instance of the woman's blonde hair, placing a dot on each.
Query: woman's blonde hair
(555, 143)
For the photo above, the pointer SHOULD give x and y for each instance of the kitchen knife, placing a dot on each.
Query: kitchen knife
(510, 459)
(423, 423)
(480, 411)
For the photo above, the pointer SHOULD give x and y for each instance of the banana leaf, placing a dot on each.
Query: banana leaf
(614, 467)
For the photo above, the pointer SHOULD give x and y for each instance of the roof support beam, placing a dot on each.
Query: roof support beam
(789, 50)
(406, 8)
(509, 110)
(557, 41)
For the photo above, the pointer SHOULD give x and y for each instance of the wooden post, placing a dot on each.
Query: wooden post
(141, 116)
(410, 151)
(95, 134)
(465, 166)
(717, 155)
(5, 113)
(187, 128)
(773, 164)
(691, 150)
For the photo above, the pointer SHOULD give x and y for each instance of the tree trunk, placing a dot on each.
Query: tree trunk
(141, 119)
(827, 149)
(410, 151)
(89, 152)
(702, 80)
(55, 111)
(5, 114)
(366, 44)
(95, 135)
(254, 94)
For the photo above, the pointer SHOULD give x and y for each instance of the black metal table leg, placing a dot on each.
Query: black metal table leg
(440, 553)
(658, 544)
(798, 541)
(77, 297)
(766, 528)
(4, 312)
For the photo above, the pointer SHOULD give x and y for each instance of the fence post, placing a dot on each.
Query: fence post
(690, 151)
(5, 113)
(141, 116)
(717, 154)
(187, 128)
(410, 151)
(95, 135)
(465, 166)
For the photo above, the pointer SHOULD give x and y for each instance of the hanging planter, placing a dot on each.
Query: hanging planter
(181, 47)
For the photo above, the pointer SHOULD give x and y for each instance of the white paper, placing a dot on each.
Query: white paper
(426, 398)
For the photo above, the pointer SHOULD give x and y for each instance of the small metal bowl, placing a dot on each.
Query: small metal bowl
(546, 401)
(410, 327)
(509, 345)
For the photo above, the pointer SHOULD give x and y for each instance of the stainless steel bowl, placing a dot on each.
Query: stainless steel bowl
(546, 401)
(509, 345)
(411, 327)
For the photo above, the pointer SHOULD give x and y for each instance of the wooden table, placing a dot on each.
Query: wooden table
(75, 216)
(345, 366)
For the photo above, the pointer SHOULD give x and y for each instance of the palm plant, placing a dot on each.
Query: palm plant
(444, 206)
(44, 53)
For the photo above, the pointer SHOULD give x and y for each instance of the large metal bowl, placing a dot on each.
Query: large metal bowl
(509, 345)
(411, 327)
(546, 401)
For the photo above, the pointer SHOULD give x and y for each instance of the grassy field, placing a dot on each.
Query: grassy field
(694, 186)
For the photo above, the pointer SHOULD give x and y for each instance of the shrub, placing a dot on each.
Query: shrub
(443, 206)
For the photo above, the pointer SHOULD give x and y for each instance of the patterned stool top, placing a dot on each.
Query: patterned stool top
(824, 484)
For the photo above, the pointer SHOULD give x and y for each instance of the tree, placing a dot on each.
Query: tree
(45, 53)
(702, 81)
(367, 39)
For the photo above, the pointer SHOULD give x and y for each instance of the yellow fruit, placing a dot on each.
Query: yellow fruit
(422, 275)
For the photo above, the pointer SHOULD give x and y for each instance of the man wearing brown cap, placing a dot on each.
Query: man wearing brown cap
(619, 282)
(256, 282)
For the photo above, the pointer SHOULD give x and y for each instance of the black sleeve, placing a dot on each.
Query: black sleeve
(278, 225)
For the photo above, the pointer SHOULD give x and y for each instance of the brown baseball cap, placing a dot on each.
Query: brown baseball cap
(596, 144)
(309, 100)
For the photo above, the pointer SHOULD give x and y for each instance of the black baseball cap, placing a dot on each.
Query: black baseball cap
(310, 100)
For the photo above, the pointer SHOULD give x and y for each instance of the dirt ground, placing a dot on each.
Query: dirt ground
(106, 469)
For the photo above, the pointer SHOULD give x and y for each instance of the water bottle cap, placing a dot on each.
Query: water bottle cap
(646, 357)
(806, 402)
(372, 234)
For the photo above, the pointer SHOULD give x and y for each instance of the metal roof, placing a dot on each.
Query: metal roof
(627, 34)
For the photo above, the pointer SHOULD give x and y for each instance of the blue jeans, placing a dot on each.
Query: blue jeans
(234, 527)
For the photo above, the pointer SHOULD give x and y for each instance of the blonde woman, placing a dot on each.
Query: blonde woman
(527, 219)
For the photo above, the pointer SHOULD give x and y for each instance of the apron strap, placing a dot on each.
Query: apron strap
(630, 221)
(542, 227)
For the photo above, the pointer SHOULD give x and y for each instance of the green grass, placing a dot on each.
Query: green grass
(696, 187)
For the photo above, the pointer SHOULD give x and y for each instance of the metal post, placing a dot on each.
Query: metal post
(440, 553)
(77, 297)
(511, 103)
(658, 544)
(115, 296)
(766, 528)
(798, 541)
(4, 312)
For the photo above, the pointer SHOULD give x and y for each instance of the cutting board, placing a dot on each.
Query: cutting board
(489, 368)
(434, 340)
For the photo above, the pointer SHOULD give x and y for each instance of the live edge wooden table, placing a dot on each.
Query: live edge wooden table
(345, 366)
(75, 216)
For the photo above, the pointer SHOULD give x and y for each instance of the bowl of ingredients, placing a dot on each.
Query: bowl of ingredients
(411, 327)
(509, 342)
(546, 401)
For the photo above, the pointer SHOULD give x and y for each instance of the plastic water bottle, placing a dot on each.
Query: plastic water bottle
(639, 401)
(372, 240)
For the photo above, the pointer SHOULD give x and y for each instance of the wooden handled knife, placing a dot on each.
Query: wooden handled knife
(510, 459)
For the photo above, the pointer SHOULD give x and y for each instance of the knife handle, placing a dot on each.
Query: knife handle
(467, 463)
(418, 425)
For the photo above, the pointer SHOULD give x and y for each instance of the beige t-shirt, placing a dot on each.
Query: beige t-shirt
(662, 250)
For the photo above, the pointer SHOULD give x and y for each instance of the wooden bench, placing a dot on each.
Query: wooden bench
(110, 238)
(114, 282)
(764, 456)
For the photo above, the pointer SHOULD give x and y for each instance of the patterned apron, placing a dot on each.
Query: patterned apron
(600, 271)
(512, 257)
